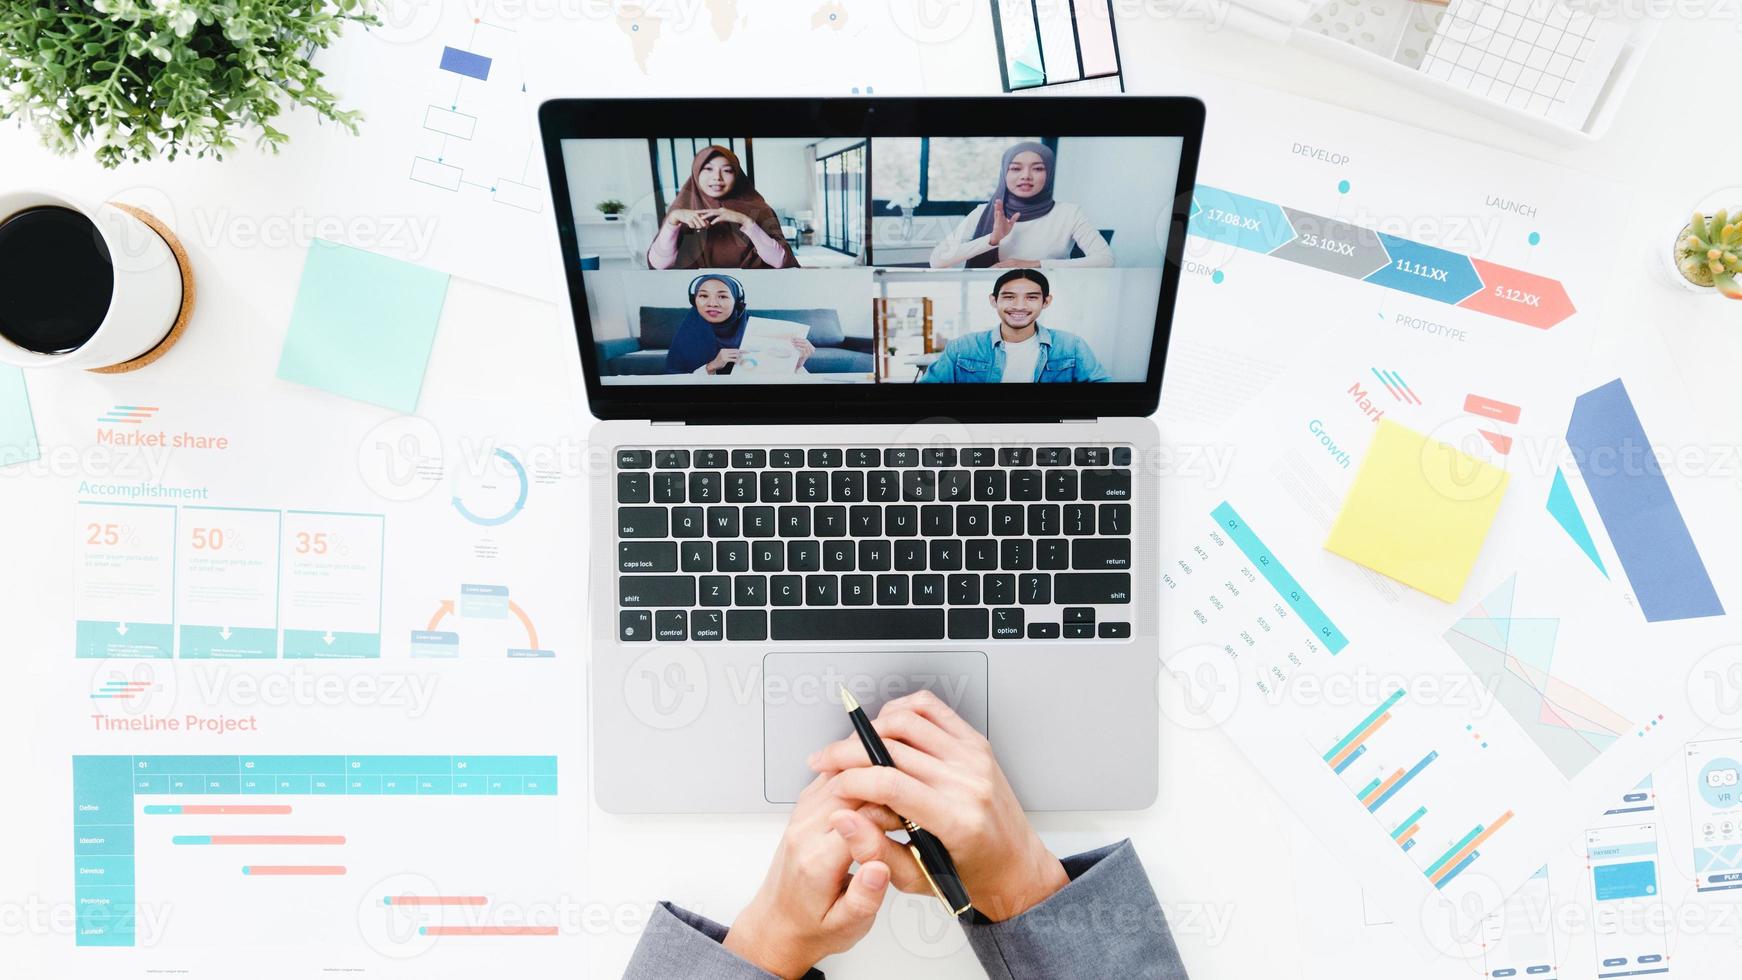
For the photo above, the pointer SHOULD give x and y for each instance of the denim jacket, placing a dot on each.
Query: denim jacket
(979, 357)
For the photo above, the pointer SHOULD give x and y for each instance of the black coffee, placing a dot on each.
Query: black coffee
(56, 279)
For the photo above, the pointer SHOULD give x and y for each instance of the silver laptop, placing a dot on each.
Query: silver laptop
(874, 378)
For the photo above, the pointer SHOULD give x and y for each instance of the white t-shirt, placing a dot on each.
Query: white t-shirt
(1020, 359)
(1047, 240)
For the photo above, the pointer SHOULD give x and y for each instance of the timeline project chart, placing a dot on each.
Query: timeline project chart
(263, 850)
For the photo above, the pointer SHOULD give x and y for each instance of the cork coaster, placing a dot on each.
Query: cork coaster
(187, 295)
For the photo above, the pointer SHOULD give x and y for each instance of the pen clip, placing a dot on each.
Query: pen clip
(935, 890)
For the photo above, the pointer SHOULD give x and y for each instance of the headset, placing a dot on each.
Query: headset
(738, 290)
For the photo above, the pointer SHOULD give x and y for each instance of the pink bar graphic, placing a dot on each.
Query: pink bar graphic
(276, 839)
(434, 900)
(1095, 39)
(239, 809)
(254, 870)
(1514, 294)
(1488, 408)
(487, 930)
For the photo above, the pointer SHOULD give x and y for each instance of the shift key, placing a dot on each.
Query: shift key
(667, 591)
(1091, 588)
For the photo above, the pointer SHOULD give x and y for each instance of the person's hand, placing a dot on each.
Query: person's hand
(946, 780)
(1000, 224)
(727, 356)
(1017, 264)
(685, 218)
(715, 216)
(805, 350)
(809, 906)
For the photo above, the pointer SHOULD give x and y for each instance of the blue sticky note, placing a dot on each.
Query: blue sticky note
(363, 325)
(17, 426)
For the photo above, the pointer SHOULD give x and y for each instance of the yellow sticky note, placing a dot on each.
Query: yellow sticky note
(1419, 511)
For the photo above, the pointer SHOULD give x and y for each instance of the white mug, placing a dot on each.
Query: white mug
(148, 287)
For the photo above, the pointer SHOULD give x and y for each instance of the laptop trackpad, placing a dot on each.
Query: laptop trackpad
(802, 711)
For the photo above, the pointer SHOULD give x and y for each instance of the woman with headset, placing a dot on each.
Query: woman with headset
(709, 339)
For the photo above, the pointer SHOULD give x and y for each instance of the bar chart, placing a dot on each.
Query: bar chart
(1377, 770)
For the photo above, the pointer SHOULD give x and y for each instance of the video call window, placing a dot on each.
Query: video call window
(958, 260)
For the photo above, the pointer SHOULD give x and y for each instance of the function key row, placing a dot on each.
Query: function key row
(872, 521)
(871, 486)
(868, 458)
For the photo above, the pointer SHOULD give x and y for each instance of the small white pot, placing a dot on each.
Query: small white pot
(1671, 273)
(147, 296)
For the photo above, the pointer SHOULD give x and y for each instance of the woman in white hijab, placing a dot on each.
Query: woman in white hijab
(1022, 226)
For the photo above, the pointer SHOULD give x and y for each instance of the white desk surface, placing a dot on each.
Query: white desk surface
(1229, 865)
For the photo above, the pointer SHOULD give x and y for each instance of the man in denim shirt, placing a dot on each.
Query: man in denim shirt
(1019, 348)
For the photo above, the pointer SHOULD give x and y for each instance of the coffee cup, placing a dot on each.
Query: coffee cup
(82, 286)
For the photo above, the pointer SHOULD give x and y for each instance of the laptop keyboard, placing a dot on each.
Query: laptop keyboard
(822, 544)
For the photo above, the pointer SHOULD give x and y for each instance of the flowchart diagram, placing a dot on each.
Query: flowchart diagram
(479, 138)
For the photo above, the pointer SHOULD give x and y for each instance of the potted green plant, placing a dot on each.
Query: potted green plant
(611, 208)
(1708, 252)
(142, 78)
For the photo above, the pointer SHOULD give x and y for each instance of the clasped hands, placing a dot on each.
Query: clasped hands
(812, 905)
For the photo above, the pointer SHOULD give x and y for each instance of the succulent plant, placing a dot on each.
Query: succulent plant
(1710, 253)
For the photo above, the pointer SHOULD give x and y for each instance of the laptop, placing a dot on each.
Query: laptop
(873, 378)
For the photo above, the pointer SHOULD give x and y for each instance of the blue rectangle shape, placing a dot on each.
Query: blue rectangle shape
(1279, 578)
(115, 870)
(1638, 510)
(112, 840)
(102, 790)
(1466, 862)
(1401, 783)
(1426, 271)
(328, 645)
(99, 639)
(1358, 753)
(1634, 879)
(228, 643)
(17, 426)
(466, 63)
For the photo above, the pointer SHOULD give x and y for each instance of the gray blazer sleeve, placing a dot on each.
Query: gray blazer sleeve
(1105, 923)
(681, 945)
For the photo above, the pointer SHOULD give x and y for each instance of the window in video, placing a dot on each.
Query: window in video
(1016, 325)
(718, 202)
(748, 326)
(973, 202)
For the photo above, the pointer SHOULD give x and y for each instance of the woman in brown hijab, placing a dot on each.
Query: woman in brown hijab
(718, 221)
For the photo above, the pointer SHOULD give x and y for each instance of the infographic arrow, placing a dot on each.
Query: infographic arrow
(1400, 264)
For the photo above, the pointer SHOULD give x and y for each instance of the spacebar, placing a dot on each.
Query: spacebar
(857, 624)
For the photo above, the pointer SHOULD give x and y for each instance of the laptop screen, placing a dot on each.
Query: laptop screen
(952, 260)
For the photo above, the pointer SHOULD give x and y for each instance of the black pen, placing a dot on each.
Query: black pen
(928, 852)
